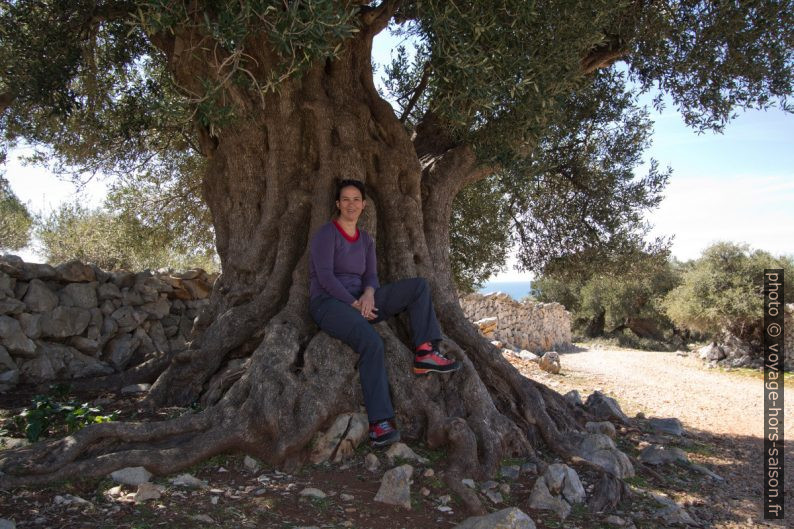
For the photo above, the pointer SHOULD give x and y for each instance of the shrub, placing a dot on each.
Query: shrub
(723, 291)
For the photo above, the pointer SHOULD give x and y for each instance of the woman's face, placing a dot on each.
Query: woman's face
(350, 204)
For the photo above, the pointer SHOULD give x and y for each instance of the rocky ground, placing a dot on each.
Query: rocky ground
(715, 481)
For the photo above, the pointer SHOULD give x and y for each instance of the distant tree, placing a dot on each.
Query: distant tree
(112, 241)
(15, 219)
(723, 291)
(606, 296)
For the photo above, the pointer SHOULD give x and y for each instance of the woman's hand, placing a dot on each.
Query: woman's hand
(366, 304)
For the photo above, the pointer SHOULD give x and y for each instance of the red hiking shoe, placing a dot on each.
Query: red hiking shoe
(383, 433)
(433, 361)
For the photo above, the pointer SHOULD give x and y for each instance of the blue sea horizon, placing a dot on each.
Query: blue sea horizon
(515, 289)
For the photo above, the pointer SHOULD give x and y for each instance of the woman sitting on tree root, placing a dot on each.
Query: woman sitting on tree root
(346, 299)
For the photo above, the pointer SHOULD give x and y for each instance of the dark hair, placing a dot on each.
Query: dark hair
(358, 184)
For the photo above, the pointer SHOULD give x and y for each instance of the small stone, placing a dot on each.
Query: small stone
(550, 362)
(603, 427)
(133, 389)
(469, 483)
(395, 487)
(670, 426)
(659, 455)
(444, 508)
(371, 462)
(251, 464)
(202, 518)
(428, 473)
(189, 481)
(510, 472)
(403, 451)
(148, 491)
(7, 524)
(214, 500)
(424, 491)
(494, 496)
(509, 518)
(615, 520)
(132, 476)
(443, 500)
(504, 488)
(312, 492)
(346, 497)
(488, 485)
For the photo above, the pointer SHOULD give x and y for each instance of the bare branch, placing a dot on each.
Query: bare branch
(420, 88)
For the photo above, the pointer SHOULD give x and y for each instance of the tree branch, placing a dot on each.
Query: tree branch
(603, 56)
(420, 88)
(377, 18)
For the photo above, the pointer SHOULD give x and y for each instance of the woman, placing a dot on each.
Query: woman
(346, 299)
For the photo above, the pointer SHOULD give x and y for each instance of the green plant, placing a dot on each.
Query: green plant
(49, 412)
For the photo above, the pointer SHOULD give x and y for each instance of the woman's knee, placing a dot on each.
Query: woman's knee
(364, 339)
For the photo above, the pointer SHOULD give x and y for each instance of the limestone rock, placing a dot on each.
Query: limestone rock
(371, 462)
(132, 476)
(251, 464)
(84, 345)
(189, 481)
(605, 408)
(670, 426)
(134, 389)
(711, 352)
(404, 452)
(601, 450)
(61, 361)
(603, 427)
(148, 491)
(542, 499)
(510, 472)
(7, 524)
(9, 372)
(107, 291)
(37, 271)
(311, 492)
(659, 455)
(119, 351)
(11, 306)
(510, 518)
(75, 271)
(550, 362)
(63, 322)
(395, 488)
(341, 439)
(12, 337)
(127, 318)
(574, 398)
(82, 295)
(39, 298)
(156, 309)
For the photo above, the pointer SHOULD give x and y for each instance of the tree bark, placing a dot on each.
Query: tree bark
(269, 185)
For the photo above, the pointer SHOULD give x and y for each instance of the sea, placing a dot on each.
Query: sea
(516, 289)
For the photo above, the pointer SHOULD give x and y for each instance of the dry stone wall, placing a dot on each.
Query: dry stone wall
(535, 327)
(76, 320)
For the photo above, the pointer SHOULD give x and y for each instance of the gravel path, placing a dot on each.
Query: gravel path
(665, 384)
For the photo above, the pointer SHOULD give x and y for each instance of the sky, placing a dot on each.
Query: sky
(736, 186)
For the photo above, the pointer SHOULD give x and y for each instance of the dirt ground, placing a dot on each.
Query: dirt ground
(720, 411)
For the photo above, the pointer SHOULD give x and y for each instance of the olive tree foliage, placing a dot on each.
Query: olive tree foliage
(723, 291)
(15, 219)
(115, 240)
(610, 295)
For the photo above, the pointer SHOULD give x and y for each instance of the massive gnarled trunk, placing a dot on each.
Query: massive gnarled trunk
(269, 184)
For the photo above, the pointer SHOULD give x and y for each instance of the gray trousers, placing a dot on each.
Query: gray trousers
(342, 321)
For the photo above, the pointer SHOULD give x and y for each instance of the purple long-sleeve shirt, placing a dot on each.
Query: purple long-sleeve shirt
(341, 266)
